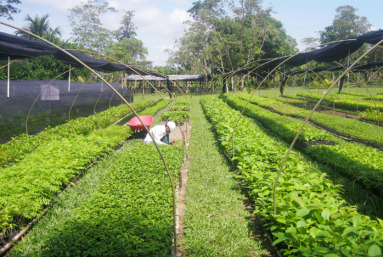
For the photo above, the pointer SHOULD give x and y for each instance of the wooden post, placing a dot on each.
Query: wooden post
(70, 68)
(8, 77)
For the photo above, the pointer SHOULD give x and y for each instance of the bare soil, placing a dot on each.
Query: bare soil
(343, 114)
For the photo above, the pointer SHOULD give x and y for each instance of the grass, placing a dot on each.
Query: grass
(216, 223)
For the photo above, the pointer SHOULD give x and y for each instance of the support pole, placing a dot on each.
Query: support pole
(304, 79)
(70, 69)
(169, 87)
(348, 65)
(8, 77)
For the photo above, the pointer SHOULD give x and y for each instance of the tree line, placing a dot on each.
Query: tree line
(88, 33)
(221, 36)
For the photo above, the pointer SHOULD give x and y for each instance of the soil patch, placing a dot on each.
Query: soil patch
(181, 206)
(338, 113)
(307, 144)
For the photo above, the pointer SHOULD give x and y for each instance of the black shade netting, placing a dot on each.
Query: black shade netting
(20, 48)
(55, 104)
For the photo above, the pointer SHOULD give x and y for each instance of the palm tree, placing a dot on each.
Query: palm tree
(40, 27)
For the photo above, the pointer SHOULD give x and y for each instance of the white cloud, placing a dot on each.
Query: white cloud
(158, 22)
(62, 6)
(179, 2)
(277, 16)
(157, 60)
(162, 48)
(372, 28)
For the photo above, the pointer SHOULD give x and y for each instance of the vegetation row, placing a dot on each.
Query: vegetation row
(312, 218)
(354, 160)
(359, 131)
(32, 182)
(15, 149)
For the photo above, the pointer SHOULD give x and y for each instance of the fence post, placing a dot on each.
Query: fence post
(70, 68)
(8, 77)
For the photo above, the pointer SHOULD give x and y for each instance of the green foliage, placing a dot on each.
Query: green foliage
(29, 185)
(180, 110)
(287, 100)
(128, 50)
(87, 29)
(346, 24)
(8, 9)
(226, 36)
(359, 162)
(129, 213)
(127, 28)
(372, 115)
(353, 160)
(181, 116)
(152, 109)
(286, 127)
(312, 218)
(68, 145)
(15, 149)
(357, 130)
(348, 102)
(38, 69)
(180, 107)
(40, 27)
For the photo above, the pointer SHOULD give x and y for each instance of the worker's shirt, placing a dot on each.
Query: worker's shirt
(158, 132)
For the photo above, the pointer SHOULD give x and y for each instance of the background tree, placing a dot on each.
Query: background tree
(40, 27)
(345, 25)
(7, 9)
(127, 28)
(310, 42)
(228, 35)
(86, 25)
(130, 51)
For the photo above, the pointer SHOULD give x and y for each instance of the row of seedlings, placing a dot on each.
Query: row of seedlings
(127, 211)
(312, 218)
(362, 132)
(354, 160)
(31, 184)
(367, 109)
(180, 110)
(15, 149)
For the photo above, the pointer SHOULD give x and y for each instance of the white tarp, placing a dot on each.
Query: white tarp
(50, 93)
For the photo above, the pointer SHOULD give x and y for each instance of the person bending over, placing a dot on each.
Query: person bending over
(160, 134)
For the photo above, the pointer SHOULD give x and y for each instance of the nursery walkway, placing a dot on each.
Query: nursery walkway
(216, 222)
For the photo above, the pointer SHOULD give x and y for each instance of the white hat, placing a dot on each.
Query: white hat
(171, 125)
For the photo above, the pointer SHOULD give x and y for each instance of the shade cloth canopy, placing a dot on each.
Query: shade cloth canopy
(21, 48)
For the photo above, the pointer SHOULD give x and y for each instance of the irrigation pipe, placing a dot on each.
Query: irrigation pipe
(132, 109)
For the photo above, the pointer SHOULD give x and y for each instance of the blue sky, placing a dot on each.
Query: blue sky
(159, 22)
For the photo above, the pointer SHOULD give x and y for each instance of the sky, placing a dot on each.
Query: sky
(160, 22)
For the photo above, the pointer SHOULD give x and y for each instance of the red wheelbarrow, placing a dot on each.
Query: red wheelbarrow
(135, 123)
